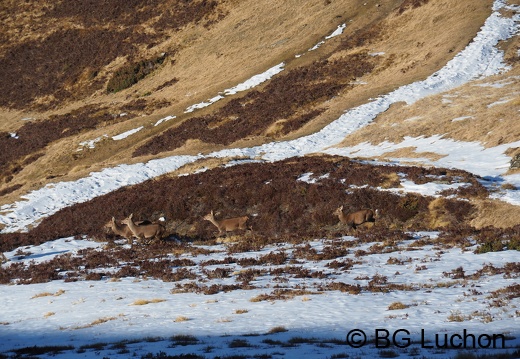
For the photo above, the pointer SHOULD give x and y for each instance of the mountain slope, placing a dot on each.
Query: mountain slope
(199, 59)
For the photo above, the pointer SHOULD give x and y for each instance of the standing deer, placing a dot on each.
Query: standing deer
(356, 218)
(227, 225)
(144, 231)
(123, 230)
(3, 258)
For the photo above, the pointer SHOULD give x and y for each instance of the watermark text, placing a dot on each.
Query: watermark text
(402, 338)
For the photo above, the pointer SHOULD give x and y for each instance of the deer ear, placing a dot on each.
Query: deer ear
(341, 208)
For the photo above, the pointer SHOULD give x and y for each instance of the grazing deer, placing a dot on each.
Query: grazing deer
(227, 225)
(356, 218)
(144, 231)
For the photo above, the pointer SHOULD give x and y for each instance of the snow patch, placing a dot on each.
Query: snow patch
(126, 134)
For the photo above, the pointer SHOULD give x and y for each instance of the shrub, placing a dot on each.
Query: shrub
(397, 306)
(132, 73)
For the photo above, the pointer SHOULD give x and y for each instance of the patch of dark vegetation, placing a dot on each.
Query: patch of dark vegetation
(207, 289)
(17, 152)
(23, 149)
(91, 264)
(42, 350)
(66, 63)
(288, 97)
(362, 37)
(184, 339)
(343, 287)
(280, 207)
(410, 4)
(282, 294)
(166, 84)
(297, 122)
(491, 239)
(55, 72)
(310, 254)
(10, 189)
(163, 355)
(510, 292)
(132, 73)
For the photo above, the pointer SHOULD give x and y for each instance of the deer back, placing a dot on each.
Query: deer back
(231, 224)
(359, 217)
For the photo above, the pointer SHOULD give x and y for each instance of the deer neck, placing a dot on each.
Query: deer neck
(214, 221)
(341, 216)
(130, 223)
(116, 228)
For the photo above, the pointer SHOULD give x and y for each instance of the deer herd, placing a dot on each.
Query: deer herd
(146, 231)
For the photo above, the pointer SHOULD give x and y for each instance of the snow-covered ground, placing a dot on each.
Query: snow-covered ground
(105, 312)
(144, 315)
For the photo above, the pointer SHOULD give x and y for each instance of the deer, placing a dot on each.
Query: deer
(149, 231)
(356, 218)
(3, 258)
(122, 230)
(227, 225)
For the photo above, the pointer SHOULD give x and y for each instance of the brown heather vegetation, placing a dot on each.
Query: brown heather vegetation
(68, 62)
(65, 53)
(287, 97)
(64, 63)
(407, 4)
(282, 209)
(279, 205)
(33, 136)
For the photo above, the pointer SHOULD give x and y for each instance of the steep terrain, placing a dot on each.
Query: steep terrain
(64, 67)
(283, 113)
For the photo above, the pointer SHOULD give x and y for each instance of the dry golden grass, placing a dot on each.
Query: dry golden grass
(277, 329)
(43, 294)
(438, 214)
(147, 301)
(48, 294)
(495, 213)
(181, 319)
(456, 316)
(97, 322)
(397, 306)
(477, 112)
